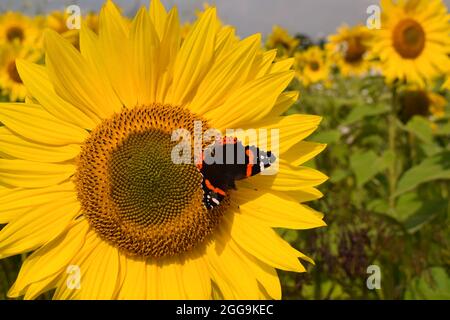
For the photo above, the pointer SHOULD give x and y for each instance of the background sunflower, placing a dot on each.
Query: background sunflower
(413, 43)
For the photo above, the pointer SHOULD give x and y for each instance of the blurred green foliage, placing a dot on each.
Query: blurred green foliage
(405, 231)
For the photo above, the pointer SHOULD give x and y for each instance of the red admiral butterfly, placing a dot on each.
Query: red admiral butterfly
(226, 161)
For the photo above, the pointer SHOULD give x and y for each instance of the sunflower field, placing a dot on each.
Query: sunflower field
(86, 181)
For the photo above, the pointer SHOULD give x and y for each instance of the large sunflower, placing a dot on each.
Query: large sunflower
(312, 66)
(88, 184)
(413, 42)
(349, 49)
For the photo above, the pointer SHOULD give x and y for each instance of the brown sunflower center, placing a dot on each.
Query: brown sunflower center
(133, 194)
(414, 102)
(13, 73)
(14, 33)
(355, 50)
(409, 38)
(314, 65)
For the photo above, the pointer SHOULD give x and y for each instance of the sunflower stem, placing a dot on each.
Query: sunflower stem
(392, 135)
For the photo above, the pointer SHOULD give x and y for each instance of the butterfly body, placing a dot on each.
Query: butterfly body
(226, 161)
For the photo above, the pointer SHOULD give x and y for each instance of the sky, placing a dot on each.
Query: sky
(316, 18)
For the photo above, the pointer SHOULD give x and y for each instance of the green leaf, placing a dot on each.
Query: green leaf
(434, 168)
(421, 128)
(433, 284)
(327, 136)
(366, 165)
(359, 112)
(427, 212)
(407, 205)
(339, 175)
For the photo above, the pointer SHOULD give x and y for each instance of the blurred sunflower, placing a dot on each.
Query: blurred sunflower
(17, 28)
(413, 42)
(281, 40)
(446, 84)
(11, 83)
(311, 66)
(57, 20)
(421, 102)
(349, 49)
(87, 179)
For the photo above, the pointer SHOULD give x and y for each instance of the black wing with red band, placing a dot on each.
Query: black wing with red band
(226, 161)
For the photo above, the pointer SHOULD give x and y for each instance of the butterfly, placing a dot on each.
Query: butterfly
(225, 161)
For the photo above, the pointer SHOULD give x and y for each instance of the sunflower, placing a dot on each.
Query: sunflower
(349, 49)
(17, 28)
(413, 41)
(88, 184)
(311, 66)
(12, 85)
(422, 102)
(446, 84)
(57, 20)
(281, 40)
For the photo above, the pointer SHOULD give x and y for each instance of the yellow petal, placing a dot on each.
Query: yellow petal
(194, 58)
(262, 64)
(225, 42)
(28, 174)
(158, 15)
(38, 226)
(145, 50)
(114, 48)
(284, 102)
(170, 280)
(283, 65)
(89, 48)
(290, 178)
(277, 212)
(17, 147)
(196, 278)
(46, 263)
(134, 286)
(169, 47)
(153, 281)
(231, 276)
(291, 130)
(15, 202)
(251, 102)
(76, 82)
(38, 83)
(266, 275)
(263, 243)
(66, 287)
(35, 289)
(226, 74)
(302, 152)
(36, 124)
(99, 267)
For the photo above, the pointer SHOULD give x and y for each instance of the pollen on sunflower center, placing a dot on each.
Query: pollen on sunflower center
(409, 39)
(132, 193)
